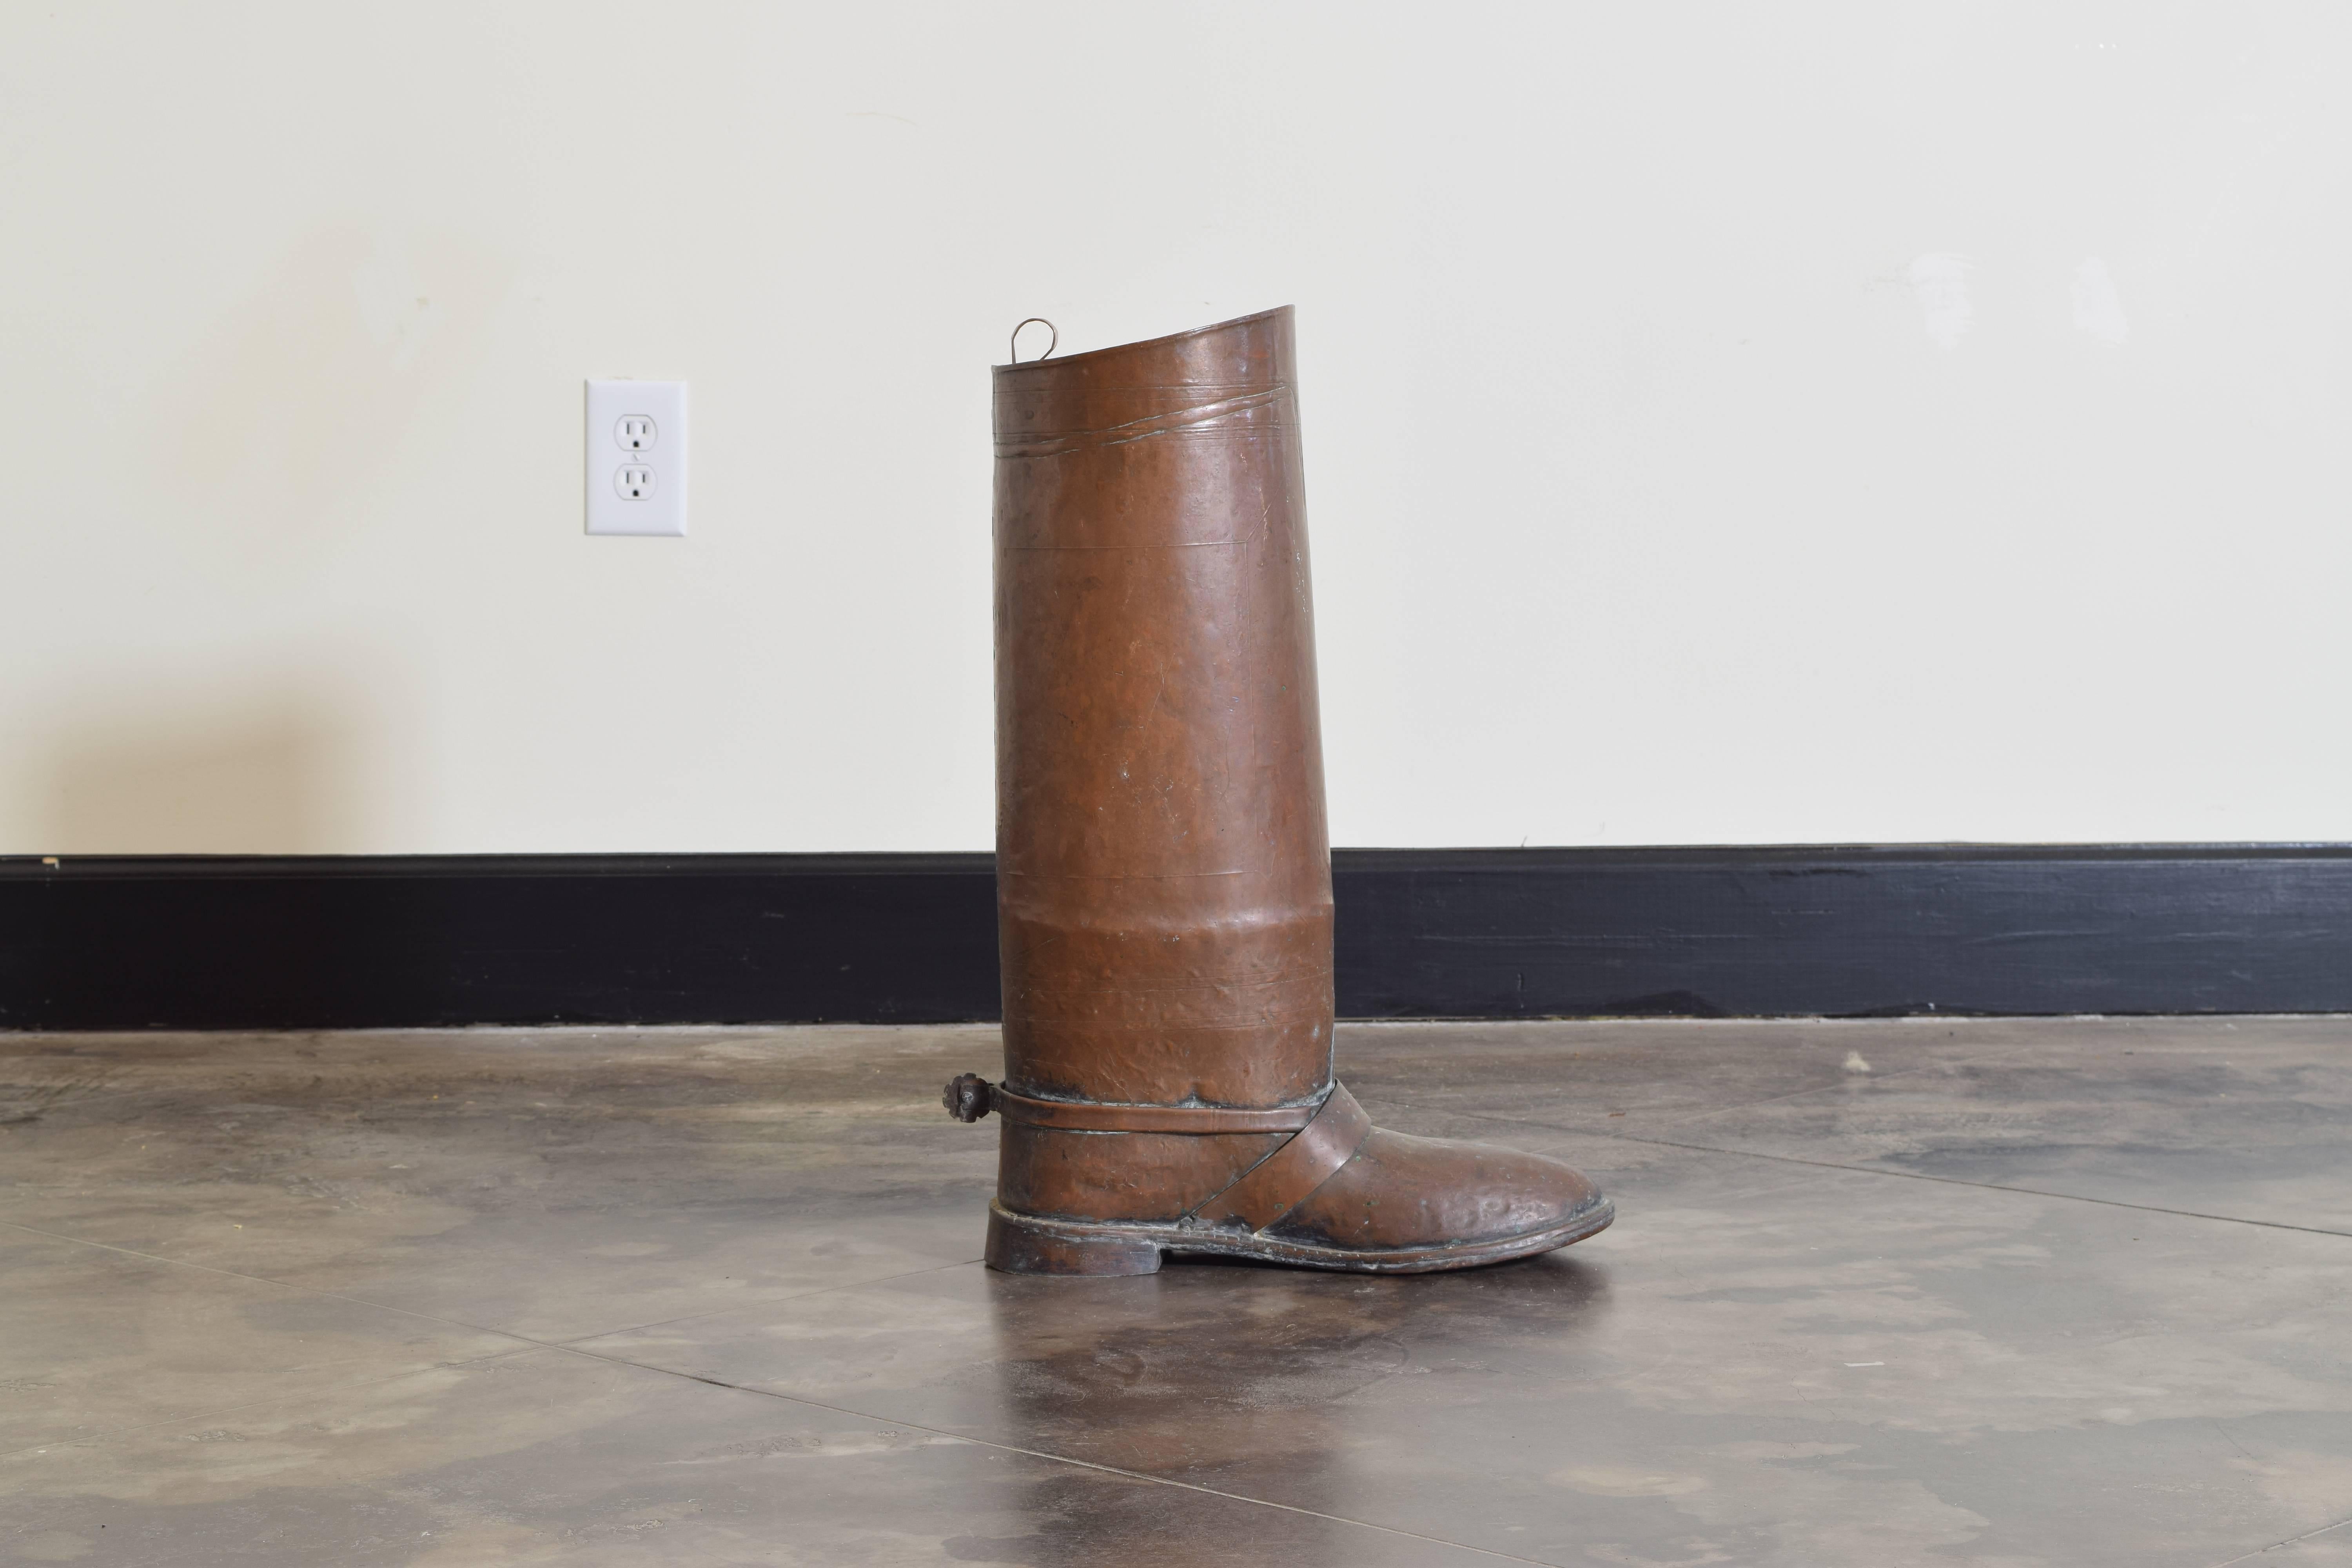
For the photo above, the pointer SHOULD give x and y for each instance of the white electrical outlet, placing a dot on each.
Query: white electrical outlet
(637, 456)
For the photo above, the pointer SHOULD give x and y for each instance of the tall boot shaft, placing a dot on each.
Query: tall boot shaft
(1163, 873)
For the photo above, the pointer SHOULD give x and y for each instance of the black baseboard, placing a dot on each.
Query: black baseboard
(211, 943)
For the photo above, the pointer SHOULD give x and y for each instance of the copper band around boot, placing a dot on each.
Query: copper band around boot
(1197, 1121)
(1285, 1178)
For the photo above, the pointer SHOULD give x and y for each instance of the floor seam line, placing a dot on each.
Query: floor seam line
(2289, 1540)
(1908, 1176)
(1053, 1458)
(764, 1301)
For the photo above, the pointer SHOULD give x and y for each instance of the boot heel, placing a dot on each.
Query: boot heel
(1017, 1245)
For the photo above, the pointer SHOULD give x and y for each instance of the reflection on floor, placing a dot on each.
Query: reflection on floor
(2051, 1292)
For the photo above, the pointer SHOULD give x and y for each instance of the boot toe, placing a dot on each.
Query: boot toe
(1401, 1193)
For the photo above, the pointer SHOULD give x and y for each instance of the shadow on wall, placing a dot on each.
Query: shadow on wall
(275, 778)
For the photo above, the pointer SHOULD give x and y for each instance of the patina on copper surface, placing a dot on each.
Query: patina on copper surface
(1163, 873)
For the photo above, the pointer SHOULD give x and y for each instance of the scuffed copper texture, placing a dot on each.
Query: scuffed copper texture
(1164, 882)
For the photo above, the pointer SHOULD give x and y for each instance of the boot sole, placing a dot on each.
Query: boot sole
(1027, 1244)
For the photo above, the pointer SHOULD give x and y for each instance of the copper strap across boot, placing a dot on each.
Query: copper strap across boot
(1163, 880)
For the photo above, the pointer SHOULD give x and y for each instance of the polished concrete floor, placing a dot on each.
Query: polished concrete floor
(1999, 1293)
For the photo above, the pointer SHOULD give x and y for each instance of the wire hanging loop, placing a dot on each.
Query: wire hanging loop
(1051, 343)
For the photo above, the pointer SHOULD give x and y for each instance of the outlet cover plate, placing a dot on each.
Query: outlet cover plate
(636, 458)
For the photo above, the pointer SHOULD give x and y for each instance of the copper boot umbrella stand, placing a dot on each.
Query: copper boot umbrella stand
(1163, 873)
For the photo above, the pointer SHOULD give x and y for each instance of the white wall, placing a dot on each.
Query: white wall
(1724, 423)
